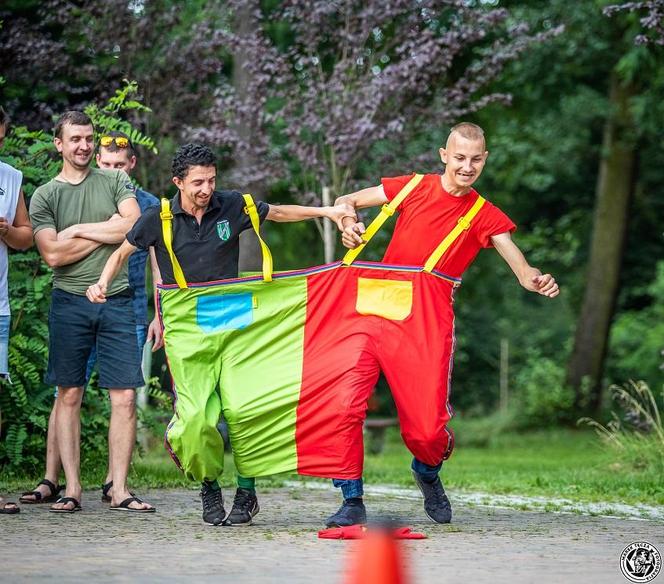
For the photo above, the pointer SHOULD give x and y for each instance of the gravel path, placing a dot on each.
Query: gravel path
(482, 545)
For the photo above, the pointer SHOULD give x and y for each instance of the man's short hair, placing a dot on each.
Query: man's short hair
(4, 117)
(113, 146)
(469, 131)
(73, 118)
(192, 155)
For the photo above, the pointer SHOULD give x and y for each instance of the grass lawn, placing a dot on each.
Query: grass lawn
(571, 464)
(561, 463)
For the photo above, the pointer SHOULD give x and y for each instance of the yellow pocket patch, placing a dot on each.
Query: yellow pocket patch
(391, 299)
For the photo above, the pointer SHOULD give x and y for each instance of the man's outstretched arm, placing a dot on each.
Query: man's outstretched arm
(530, 278)
(351, 231)
(97, 292)
(111, 231)
(289, 213)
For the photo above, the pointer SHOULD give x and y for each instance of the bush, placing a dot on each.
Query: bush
(542, 398)
(637, 337)
(635, 434)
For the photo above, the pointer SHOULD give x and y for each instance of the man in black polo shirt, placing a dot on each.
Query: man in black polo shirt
(206, 226)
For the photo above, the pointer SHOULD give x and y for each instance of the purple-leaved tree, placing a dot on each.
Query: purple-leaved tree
(652, 21)
(325, 80)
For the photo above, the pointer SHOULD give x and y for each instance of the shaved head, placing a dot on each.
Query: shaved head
(464, 157)
(468, 131)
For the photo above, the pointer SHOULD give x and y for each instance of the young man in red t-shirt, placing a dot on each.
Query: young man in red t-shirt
(426, 216)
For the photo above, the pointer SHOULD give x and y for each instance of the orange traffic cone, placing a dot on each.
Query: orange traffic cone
(378, 559)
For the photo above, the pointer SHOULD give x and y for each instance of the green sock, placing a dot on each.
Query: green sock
(246, 483)
(214, 485)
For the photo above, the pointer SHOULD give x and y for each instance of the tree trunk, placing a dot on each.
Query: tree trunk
(614, 188)
(250, 249)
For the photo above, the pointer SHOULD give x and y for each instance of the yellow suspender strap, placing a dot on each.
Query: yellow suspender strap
(386, 212)
(167, 230)
(251, 210)
(462, 224)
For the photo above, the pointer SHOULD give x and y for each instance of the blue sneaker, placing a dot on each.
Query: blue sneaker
(352, 512)
(436, 504)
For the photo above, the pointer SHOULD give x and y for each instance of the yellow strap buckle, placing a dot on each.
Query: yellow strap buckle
(464, 223)
(385, 213)
(167, 231)
(389, 211)
(251, 210)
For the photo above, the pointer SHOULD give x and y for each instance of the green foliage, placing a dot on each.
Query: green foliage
(26, 402)
(635, 433)
(543, 400)
(637, 337)
(485, 431)
(107, 118)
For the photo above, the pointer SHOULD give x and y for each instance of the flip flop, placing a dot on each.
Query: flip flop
(77, 505)
(9, 508)
(105, 488)
(39, 498)
(124, 506)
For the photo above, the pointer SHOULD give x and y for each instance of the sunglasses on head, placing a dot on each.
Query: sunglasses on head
(120, 141)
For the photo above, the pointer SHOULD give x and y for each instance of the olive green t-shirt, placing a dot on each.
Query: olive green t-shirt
(58, 205)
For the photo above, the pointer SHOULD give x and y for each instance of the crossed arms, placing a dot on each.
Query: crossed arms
(78, 241)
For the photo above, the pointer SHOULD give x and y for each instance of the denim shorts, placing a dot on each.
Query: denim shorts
(4, 346)
(76, 325)
(141, 336)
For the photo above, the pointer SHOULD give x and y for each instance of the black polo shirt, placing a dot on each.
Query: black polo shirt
(209, 251)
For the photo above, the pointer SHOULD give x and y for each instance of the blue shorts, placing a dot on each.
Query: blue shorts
(4, 346)
(76, 325)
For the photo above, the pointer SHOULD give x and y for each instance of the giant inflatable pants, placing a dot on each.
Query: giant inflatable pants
(292, 364)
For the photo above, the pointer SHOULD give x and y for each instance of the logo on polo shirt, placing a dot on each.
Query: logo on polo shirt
(223, 229)
(2, 192)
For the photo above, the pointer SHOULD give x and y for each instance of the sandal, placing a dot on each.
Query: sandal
(124, 506)
(38, 497)
(9, 508)
(105, 488)
(77, 505)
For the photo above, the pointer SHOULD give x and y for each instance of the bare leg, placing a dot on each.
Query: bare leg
(68, 432)
(122, 437)
(53, 464)
(109, 472)
(4, 505)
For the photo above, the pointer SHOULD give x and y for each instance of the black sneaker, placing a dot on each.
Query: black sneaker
(436, 504)
(350, 513)
(245, 506)
(213, 504)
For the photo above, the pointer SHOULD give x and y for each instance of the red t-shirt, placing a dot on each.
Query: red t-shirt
(428, 214)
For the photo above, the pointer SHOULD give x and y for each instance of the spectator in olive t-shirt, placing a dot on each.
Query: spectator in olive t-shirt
(79, 218)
